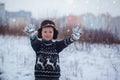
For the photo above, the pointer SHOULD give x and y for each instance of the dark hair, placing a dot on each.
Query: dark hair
(48, 23)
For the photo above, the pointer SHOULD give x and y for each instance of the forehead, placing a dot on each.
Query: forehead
(47, 28)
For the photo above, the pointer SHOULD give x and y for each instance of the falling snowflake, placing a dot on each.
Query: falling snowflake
(114, 2)
(86, 1)
(97, 8)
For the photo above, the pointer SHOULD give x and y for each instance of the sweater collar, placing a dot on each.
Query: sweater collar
(47, 42)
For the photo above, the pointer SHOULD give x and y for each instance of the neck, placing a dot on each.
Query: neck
(46, 40)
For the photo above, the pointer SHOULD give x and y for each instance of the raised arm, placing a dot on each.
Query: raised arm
(74, 37)
(30, 31)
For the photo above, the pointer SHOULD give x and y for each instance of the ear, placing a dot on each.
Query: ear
(40, 33)
(55, 34)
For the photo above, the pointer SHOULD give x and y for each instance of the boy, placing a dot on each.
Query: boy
(47, 50)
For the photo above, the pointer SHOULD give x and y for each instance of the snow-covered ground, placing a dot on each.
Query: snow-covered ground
(78, 61)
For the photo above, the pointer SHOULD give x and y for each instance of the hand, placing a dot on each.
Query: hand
(29, 28)
(77, 31)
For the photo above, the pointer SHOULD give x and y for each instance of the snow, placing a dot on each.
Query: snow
(77, 61)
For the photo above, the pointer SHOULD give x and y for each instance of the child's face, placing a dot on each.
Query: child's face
(47, 33)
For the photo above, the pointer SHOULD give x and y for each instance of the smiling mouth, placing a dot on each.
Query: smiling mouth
(47, 37)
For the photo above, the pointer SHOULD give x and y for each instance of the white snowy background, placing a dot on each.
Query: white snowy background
(78, 61)
(58, 8)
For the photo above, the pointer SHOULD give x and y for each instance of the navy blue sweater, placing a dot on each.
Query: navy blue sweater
(47, 56)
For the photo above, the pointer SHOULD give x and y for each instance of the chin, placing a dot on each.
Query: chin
(48, 39)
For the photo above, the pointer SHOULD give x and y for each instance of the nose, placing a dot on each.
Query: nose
(47, 33)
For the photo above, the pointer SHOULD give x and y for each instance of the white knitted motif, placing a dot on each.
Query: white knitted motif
(50, 63)
(39, 62)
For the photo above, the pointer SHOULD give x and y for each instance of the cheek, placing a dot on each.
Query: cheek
(43, 34)
(52, 33)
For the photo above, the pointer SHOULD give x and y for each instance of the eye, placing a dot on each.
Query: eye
(50, 31)
(45, 31)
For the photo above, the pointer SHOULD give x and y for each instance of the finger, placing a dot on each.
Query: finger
(78, 27)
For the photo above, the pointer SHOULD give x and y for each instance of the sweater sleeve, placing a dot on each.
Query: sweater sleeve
(34, 43)
(63, 44)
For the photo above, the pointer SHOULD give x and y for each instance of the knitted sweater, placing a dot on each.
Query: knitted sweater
(47, 56)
